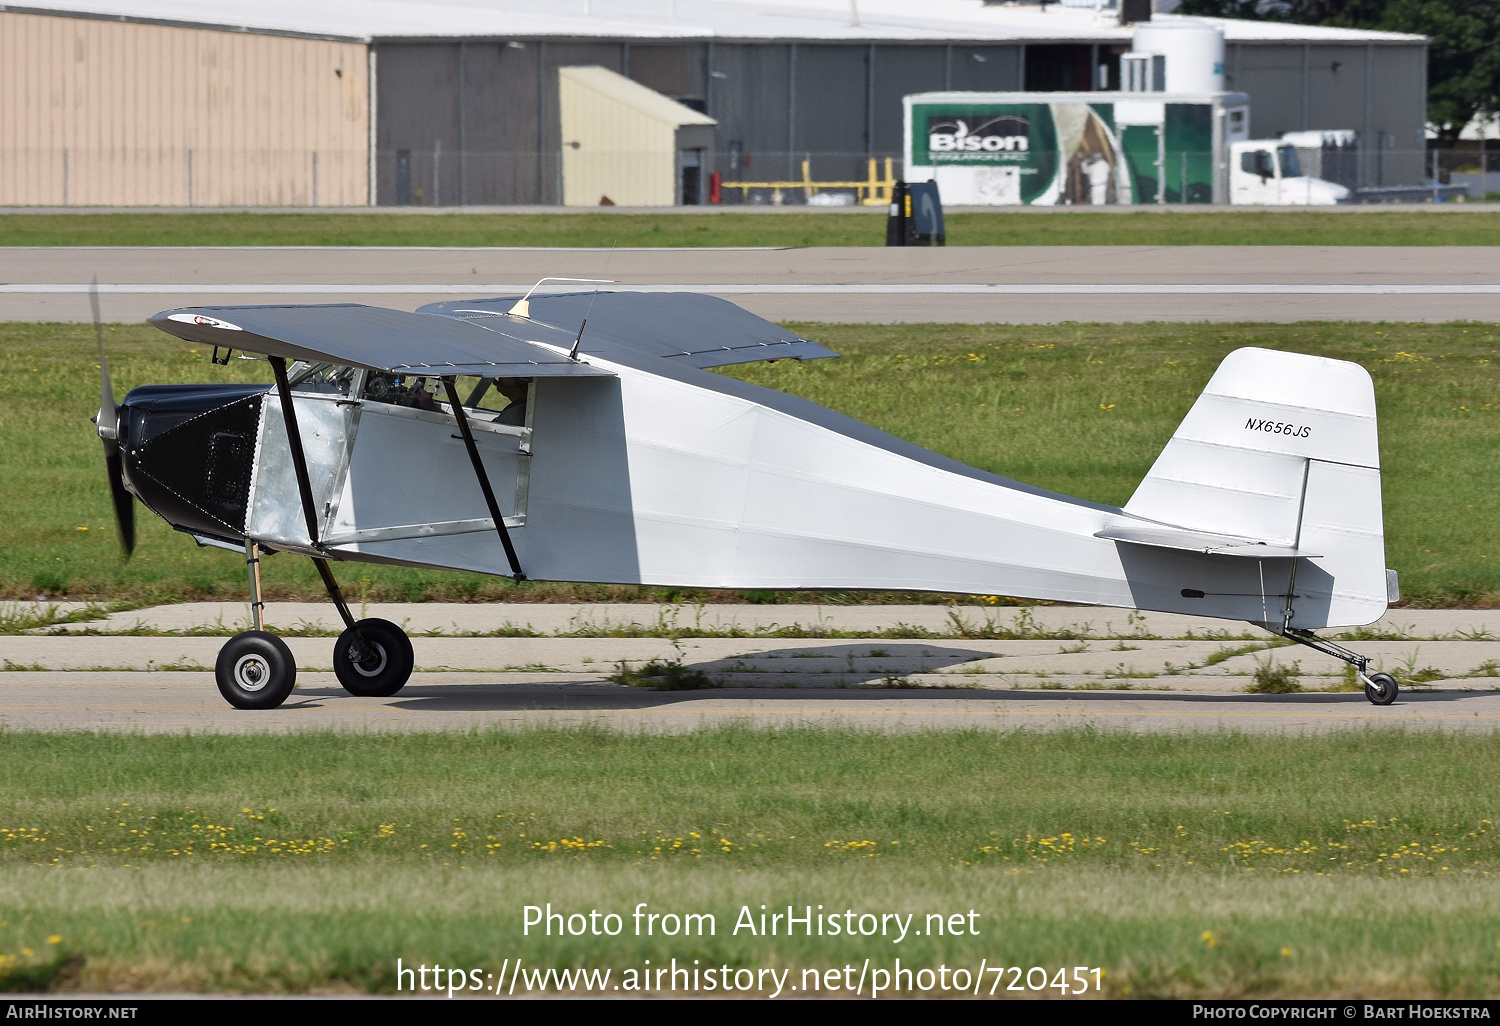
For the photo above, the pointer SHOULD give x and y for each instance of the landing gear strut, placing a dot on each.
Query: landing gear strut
(255, 670)
(1380, 688)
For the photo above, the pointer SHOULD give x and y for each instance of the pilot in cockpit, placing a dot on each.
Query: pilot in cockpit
(515, 390)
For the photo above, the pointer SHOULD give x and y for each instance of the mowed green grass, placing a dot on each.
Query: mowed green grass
(1207, 864)
(1480, 227)
(1082, 408)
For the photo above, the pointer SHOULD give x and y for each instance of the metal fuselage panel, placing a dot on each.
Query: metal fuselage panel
(385, 480)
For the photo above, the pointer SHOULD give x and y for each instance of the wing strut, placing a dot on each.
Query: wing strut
(451, 385)
(304, 486)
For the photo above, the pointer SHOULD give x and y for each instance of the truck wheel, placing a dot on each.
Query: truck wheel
(255, 670)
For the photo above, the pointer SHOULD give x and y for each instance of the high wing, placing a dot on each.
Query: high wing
(684, 328)
(392, 341)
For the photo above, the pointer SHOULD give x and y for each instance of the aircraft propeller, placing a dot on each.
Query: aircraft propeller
(108, 423)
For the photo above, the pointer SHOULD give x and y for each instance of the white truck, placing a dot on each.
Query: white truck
(1268, 172)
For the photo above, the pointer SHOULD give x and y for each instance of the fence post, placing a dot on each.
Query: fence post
(1161, 165)
(437, 162)
(65, 176)
(314, 177)
(190, 177)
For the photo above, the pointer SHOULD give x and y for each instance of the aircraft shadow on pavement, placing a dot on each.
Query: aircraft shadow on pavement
(862, 672)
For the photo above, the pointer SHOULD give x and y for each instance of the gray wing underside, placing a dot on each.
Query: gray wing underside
(481, 337)
(385, 340)
(684, 328)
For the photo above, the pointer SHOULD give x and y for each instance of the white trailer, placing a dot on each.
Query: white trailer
(1091, 149)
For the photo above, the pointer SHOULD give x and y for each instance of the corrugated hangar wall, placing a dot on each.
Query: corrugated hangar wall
(776, 104)
(111, 113)
(1377, 89)
(477, 122)
(108, 112)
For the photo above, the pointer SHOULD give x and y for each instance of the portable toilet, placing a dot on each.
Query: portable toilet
(628, 144)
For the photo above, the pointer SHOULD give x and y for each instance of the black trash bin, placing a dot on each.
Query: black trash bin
(916, 216)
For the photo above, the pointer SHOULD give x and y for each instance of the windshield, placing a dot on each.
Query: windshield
(1291, 167)
(328, 378)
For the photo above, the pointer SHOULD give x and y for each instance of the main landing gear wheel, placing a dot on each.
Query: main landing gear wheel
(373, 659)
(1381, 689)
(255, 670)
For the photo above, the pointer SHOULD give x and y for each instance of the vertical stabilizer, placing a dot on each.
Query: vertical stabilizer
(1281, 449)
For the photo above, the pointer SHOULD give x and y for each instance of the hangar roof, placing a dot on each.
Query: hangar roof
(960, 21)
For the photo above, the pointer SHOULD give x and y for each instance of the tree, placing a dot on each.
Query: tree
(1463, 50)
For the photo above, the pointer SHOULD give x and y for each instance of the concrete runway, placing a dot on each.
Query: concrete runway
(872, 667)
(1014, 285)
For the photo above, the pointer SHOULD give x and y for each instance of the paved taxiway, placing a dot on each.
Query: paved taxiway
(183, 701)
(982, 284)
(873, 667)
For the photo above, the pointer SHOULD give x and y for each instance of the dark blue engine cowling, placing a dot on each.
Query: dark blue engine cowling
(188, 452)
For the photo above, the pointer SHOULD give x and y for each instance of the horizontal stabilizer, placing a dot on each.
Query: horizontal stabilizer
(1201, 541)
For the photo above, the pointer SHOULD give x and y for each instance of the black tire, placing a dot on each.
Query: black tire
(1382, 689)
(373, 659)
(255, 670)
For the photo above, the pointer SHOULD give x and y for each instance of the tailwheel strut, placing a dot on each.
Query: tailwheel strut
(1380, 688)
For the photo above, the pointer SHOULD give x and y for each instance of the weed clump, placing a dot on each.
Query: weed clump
(1274, 679)
(662, 675)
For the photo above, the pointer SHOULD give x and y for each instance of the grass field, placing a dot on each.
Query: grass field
(1363, 862)
(1083, 409)
(1480, 227)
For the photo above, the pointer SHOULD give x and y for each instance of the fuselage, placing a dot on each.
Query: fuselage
(680, 478)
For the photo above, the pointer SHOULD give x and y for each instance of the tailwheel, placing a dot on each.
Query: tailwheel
(1381, 689)
(373, 659)
(255, 670)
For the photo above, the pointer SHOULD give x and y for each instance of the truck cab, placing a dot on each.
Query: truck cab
(1267, 172)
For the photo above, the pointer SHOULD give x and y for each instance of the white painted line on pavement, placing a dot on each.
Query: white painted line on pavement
(1006, 289)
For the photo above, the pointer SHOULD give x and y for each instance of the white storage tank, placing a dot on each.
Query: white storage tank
(1194, 51)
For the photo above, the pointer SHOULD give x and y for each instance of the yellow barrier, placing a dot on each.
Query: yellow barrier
(873, 192)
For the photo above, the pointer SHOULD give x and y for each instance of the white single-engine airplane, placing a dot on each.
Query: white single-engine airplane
(620, 459)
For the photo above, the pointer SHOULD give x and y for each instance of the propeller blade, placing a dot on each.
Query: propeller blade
(108, 420)
(114, 462)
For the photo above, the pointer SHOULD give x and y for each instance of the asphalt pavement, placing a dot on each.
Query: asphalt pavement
(978, 284)
(872, 667)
